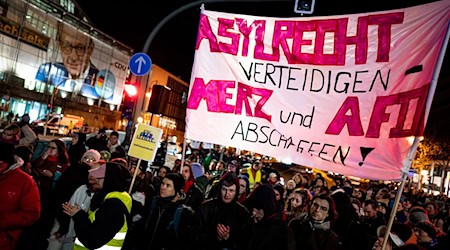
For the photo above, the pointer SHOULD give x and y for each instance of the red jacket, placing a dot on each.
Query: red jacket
(20, 204)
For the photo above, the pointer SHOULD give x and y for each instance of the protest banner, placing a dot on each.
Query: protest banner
(338, 93)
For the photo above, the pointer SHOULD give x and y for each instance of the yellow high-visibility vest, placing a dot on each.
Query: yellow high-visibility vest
(252, 179)
(117, 241)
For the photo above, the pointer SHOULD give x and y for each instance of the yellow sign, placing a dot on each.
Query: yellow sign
(145, 142)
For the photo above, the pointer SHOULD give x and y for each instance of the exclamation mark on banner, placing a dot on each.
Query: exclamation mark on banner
(364, 153)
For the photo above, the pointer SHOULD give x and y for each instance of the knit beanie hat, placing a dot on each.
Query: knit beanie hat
(417, 214)
(94, 154)
(178, 181)
(428, 228)
(7, 153)
(197, 170)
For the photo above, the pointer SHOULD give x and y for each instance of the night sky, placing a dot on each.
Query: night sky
(132, 21)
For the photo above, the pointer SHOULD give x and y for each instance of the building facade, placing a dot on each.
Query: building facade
(52, 60)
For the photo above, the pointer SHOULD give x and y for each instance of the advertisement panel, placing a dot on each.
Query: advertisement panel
(47, 50)
(338, 93)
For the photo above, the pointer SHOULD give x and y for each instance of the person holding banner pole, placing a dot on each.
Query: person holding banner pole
(412, 151)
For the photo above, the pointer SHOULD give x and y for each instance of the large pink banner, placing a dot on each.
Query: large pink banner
(338, 93)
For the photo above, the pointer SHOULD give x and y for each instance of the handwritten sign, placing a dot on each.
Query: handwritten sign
(337, 93)
(145, 142)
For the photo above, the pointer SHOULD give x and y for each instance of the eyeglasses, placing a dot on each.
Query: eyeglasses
(67, 48)
(88, 159)
(49, 147)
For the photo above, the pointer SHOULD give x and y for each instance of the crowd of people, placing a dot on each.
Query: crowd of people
(80, 198)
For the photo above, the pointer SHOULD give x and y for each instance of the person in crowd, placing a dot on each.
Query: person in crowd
(108, 219)
(313, 231)
(357, 205)
(370, 193)
(219, 221)
(279, 191)
(244, 188)
(233, 166)
(427, 235)
(318, 182)
(254, 173)
(11, 134)
(165, 226)
(25, 153)
(273, 178)
(113, 144)
(417, 214)
(202, 177)
(290, 186)
(27, 135)
(74, 177)
(400, 237)
(266, 229)
(401, 215)
(62, 235)
(77, 148)
(53, 162)
(298, 203)
(214, 188)
(348, 225)
(194, 195)
(359, 194)
(163, 171)
(99, 141)
(383, 196)
(435, 215)
(105, 155)
(298, 179)
(373, 220)
(19, 198)
(75, 72)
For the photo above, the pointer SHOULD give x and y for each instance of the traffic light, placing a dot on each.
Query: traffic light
(304, 6)
(131, 90)
(49, 107)
(129, 99)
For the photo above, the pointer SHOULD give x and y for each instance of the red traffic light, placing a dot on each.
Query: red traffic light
(130, 89)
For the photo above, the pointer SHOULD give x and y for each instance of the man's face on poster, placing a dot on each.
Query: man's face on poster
(76, 50)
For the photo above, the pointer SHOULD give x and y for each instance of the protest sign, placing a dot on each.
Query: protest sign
(337, 93)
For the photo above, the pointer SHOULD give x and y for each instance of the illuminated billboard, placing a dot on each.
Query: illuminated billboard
(47, 50)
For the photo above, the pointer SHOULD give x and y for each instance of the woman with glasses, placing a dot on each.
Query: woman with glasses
(50, 165)
(75, 176)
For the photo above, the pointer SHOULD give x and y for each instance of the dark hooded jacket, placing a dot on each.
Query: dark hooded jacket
(76, 151)
(215, 211)
(271, 231)
(110, 214)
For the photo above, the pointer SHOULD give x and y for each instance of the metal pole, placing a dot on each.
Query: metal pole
(407, 165)
(183, 154)
(185, 7)
(394, 210)
(134, 176)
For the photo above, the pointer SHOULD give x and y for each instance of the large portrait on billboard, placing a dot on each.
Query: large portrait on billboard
(75, 70)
